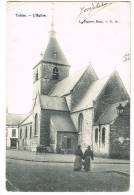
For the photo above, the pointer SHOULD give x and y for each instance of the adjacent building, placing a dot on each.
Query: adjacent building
(12, 128)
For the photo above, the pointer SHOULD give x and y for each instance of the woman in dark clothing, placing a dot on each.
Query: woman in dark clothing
(78, 159)
(88, 155)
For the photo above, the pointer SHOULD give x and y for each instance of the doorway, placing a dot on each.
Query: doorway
(13, 143)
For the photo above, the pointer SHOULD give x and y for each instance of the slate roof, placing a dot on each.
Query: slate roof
(62, 122)
(92, 93)
(53, 103)
(53, 53)
(66, 85)
(14, 119)
(110, 113)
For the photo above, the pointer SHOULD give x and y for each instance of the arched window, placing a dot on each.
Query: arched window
(96, 135)
(26, 133)
(55, 73)
(20, 133)
(103, 135)
(36, 76)
(80, 122)
(80, 127)
(36, 125)
(30, 131)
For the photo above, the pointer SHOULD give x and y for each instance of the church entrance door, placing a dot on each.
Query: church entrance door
(13, 143)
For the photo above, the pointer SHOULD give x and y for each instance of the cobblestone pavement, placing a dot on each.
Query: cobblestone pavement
(42, 176)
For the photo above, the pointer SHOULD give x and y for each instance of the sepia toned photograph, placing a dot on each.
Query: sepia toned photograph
(68, 96)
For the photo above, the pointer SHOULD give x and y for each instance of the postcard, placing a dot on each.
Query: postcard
(68, 96)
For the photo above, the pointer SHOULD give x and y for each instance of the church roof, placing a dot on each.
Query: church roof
(14, 119)
(92, 93)
(53, 53)
(62, 122)
(53, 103)
(65, 86)
(110, 113)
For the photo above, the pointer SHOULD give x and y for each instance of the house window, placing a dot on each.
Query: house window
(13, 132)
(36, 76)
(26, 133)
(103, 136)
(68, 142)
(96, 135)
(55, 73)
(36, 125)
(20, 133)
(30, 131)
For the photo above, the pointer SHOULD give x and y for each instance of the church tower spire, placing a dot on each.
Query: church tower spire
(53, 67)
(52, 32)
(53, 52)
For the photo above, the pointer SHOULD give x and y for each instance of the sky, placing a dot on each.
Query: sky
(104, 45)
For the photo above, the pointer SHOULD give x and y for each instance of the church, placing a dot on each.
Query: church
(79, 109)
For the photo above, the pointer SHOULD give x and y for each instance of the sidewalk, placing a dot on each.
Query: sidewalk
(57, 158)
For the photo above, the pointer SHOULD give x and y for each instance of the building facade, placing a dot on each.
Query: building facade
(75, 109)
(12, 129)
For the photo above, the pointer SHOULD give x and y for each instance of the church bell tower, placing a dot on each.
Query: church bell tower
(52, 68)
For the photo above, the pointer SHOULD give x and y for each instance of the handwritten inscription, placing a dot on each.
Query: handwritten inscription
(87, 12)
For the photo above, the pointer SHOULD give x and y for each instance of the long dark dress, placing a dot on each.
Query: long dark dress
(78, 160)
(88, 155)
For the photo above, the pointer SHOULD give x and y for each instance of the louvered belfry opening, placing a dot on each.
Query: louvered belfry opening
(55, 73)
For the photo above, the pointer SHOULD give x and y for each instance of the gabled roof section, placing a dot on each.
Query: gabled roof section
(110, 113)
(62, 122)
(115, 73)
(53, 103)
(54, 53)
(65, 86)
(95, 90)
(92, 92)
(14, 119)
(28, 119)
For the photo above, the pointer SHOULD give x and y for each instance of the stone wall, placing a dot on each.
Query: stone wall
(120, 135)
(28, 142)
(53, 137)
(86, 136)
(45, 128)
(45, 81)
(47, 70)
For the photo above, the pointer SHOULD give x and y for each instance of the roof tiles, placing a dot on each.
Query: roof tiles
(14, 119)
(53, 103)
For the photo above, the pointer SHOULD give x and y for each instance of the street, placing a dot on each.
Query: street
(51, 176)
